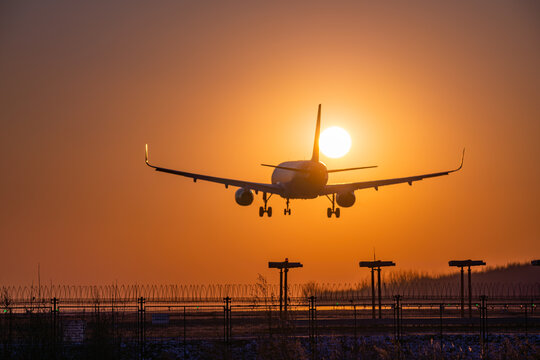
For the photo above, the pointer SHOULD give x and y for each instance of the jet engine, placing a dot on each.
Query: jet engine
(244, 197)
(346, 199)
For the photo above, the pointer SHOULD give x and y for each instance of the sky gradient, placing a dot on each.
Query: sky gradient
(218, 88)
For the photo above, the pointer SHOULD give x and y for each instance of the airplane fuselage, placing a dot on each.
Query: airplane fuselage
(304, 184)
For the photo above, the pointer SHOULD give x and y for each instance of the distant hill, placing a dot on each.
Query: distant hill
(512, 273)
(515, 279)
(523, 273)
(511, 280)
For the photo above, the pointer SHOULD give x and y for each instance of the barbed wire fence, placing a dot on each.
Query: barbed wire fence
(257, 293)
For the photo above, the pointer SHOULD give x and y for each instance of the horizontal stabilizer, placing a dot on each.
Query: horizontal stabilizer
(354, 168)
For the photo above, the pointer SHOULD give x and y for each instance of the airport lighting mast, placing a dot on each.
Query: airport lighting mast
(461, 264)
(376, 266)
(283, 267)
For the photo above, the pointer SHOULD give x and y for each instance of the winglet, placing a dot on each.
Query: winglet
(462, 158)
(315, 156)
(146, 156)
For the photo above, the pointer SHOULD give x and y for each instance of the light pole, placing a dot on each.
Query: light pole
(376, 266)
(461, 264)
(283, 267)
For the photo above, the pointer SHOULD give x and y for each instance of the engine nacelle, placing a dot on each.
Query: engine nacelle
(346, 199)
(243, 197)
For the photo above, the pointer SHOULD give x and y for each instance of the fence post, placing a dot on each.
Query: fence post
(113, 328)
(397, 324)
(483, 327)
(441, 309)
(141, 326)
(313, 327)
(355, 347)
(10, 337)
(355, 330)
(54, 325)
(373, 293)
(526, 327)
(184, 337)
(227, 323)
(397, 319)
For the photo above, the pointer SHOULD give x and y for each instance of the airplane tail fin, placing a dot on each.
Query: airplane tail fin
(315, 156)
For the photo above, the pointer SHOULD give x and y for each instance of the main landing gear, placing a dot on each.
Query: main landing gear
(265, 209)
(333, 209)
(287, 211)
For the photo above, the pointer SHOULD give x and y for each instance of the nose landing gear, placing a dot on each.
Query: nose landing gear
(333, 210)
(265, 209)
(287, 211)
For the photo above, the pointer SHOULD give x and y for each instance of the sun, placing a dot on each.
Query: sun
(335, 142)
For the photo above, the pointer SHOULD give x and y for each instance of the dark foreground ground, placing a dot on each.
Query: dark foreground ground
(499, 346)
(169, 331)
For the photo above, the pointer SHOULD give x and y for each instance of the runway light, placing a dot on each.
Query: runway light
(5, 310)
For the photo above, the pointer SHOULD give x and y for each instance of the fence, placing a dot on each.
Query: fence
(255, 292)
(139, 326)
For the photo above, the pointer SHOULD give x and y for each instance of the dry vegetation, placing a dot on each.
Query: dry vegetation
(498, 279)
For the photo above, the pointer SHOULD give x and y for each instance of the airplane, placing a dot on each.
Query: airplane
(302, 179)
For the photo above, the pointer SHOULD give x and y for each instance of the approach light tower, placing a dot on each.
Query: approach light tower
(461, 264)
(376, 265)
(283, 267)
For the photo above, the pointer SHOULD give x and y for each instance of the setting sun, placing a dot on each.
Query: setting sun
(335, 142)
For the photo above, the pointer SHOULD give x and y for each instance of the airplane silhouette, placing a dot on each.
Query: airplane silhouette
(302, 179)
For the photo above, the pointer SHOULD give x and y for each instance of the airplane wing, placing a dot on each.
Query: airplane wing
(268, 188)
(349, 187)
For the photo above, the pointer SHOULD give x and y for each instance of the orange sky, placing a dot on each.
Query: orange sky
(219, 88)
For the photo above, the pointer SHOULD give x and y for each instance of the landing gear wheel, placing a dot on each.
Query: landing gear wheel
(265, 209)
(333, 210)
(287, 210)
